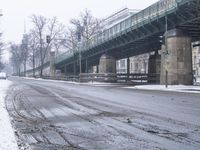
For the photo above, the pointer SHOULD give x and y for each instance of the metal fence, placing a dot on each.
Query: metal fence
(110, 78)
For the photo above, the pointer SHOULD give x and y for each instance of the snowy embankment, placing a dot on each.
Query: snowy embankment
(7, 137)
(175, 88)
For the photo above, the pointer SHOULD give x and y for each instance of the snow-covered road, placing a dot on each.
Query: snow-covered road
(50, 115)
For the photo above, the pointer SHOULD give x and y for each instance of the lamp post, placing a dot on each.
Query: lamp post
(80, 64)
(79, 31)
(48, 39)
(166, 55)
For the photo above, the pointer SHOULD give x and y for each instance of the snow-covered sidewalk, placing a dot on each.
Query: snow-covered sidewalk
(174, 88)
(7, 137)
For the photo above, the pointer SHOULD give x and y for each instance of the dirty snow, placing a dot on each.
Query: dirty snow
(7, 138)
(175, 88)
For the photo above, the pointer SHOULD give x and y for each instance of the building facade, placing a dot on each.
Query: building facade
(196, 61)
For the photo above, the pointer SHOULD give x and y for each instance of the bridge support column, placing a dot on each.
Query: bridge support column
(97, 68)
(176, 60)
(52, 64)
(107, 67)
(154, 66)
(107, 64)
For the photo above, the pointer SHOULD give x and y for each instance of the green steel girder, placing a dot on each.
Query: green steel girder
(129, 41)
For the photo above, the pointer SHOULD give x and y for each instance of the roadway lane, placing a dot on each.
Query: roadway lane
(59, 115)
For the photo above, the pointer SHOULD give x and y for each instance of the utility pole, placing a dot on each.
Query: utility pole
(80, 64)
(166, 53)
(79, 31)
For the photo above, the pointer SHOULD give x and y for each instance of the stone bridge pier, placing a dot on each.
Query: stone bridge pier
(176, 58)
(107, 64)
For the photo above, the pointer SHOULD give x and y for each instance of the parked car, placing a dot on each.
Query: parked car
(3, 75)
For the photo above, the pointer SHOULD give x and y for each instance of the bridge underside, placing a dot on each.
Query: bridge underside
(143, 39)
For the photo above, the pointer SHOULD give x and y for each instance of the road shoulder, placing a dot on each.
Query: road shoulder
(7, 136)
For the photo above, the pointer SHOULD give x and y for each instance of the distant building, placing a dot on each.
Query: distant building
(139, 64)
(117, 17)
(121, 66)
(196, 60)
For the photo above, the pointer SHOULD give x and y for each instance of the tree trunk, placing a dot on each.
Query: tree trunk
(25, 69)
(33, 63)
(41, 69)
(19, 71)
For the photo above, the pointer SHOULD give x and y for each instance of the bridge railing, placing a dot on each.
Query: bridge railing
(139, 78)
(97, 77)
(151, 12)
(158, 9)
(130, 78)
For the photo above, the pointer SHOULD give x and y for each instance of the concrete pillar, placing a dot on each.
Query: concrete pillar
(97, 68)
(177, 58)
(128, 67)
(154, 67)
(107, 64)
(52, 64)
(154, 63)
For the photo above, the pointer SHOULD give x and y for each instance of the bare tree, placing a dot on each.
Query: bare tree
(34, 49)
(24, 48)
(86, 25)
(1, 52)
(16, 57)
(82, 29)
(71, 42)
(43, 27)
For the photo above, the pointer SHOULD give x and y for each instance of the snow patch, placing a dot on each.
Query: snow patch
(175, 88)
(7, 137)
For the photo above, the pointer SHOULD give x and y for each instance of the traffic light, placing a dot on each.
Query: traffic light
(48, 39)
(162, 40)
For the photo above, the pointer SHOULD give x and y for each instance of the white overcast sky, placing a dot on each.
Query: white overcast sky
(16, 12)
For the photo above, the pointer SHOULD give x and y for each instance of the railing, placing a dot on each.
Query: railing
(97, 77)
(72, 78)
(110, 78)
(151, 12)
(158, 9)
(139, 78)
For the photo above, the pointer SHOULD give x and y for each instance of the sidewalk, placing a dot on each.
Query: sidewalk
(7, 137)
(172, 88)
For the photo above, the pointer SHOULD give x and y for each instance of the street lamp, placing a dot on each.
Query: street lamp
(166, 54)
(80, 64)
(79, 31)
(48, 39)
